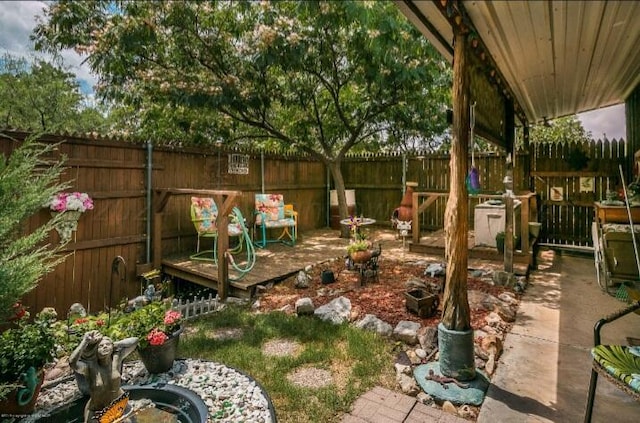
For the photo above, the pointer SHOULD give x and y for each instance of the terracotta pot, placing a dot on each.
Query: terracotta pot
(360, 256)
(14, 403)
(405, 211)
(160, 358)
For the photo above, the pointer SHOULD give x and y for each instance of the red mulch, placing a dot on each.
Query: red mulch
(383, 298)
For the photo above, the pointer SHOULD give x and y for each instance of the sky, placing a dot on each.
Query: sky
(17, 20)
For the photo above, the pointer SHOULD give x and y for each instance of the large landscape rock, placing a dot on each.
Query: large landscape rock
(372, 323)
(336, 312)
(407, 332)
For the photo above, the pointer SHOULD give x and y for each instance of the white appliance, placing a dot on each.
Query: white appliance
(489, 219)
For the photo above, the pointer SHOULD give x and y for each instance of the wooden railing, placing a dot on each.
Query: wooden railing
(528, 212)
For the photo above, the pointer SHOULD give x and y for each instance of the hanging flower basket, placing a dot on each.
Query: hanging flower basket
(70, 206)
(67, 224)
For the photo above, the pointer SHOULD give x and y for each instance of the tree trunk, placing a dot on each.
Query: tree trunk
(456, 313)
(338, 181)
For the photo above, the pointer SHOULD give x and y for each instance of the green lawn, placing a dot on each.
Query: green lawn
(357, 359)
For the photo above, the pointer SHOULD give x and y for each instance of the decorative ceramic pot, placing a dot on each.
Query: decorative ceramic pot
(22, 400)
(67, 225)
(360, 256)
(160, 358)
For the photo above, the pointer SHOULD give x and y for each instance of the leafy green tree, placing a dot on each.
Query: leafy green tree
(27, 182)
(322, 78)
(567, 129)
(41, 96)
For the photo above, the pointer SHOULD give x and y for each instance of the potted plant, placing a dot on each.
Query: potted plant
(359, 251)
(157, 327)
(25, 348)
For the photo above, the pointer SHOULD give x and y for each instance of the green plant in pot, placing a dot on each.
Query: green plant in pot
(157, 327)
(359, 251)
(25, 348)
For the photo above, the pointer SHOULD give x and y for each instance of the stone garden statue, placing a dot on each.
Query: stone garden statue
(99, 360)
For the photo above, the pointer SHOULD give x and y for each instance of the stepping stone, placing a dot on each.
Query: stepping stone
(473, 395)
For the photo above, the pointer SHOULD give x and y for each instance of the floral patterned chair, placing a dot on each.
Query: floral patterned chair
(271, 213)
(203, 215)
(618, 364)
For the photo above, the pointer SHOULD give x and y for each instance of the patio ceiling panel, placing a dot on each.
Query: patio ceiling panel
(558, 57)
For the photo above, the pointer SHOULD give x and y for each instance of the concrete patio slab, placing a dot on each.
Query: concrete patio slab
(543, 375)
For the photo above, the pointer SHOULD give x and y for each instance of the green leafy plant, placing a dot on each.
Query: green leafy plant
(68, 333)
(27, 181)
(362, 245)
(152, 324)
(26, 344)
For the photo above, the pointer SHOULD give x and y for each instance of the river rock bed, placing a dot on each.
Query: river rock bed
(230, 395)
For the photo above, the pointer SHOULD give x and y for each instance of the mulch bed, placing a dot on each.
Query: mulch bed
(383, 298)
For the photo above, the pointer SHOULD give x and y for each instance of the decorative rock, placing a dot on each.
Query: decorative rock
(447, 407)
(493, 319)
(304, 307)
(467, 412)
(424, 398)
(402, 359)
(492, 344)
(407, 332)
(407, 384)
(336, 312)
(502, 278)
(435, 269)
(508, 298)
(506, 313)
(302, 280)
(421, 353)
(372, 323)
(285, 308)
(482, 300)
(401, 368)
(413, 357)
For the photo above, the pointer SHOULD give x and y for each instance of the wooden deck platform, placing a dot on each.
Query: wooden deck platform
(279, 261)
(276, 262)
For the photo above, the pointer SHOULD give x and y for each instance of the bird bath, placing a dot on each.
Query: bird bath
(171, 403)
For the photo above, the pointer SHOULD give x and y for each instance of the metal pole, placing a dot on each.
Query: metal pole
(404, 173)
(262, 171)
(149, 172)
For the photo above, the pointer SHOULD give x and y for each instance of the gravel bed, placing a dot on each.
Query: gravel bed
(230, 395)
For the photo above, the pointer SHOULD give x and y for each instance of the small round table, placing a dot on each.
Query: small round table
(359, 221)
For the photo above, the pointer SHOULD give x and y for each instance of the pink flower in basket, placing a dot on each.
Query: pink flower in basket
(70, 201)
(157, 337)
(172, 317)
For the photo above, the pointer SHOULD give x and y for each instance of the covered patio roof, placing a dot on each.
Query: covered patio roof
(557, 58)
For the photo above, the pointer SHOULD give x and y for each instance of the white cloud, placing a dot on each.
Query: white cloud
(609, 120)
(17, 20)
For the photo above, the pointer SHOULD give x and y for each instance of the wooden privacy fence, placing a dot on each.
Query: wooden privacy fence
(114, 174)
(570, 177)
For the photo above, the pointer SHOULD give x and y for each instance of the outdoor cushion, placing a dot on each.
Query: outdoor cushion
(271, 212)
(621, 362)
(204, 214)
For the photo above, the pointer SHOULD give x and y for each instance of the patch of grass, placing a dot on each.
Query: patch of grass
(357, 359)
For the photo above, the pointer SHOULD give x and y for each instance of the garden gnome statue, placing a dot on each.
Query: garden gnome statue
(99, 360)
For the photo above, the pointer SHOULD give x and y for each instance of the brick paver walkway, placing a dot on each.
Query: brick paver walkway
(381, 405)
